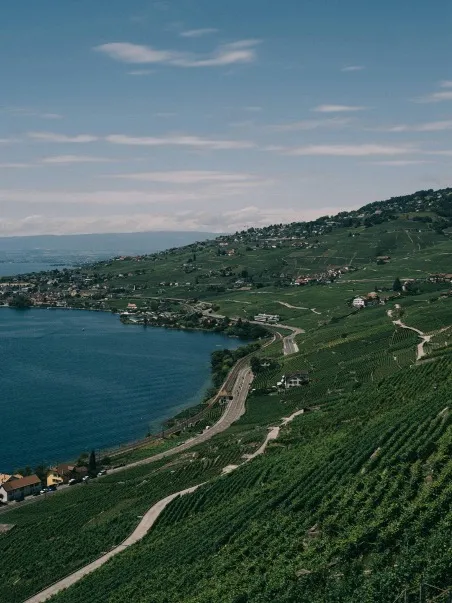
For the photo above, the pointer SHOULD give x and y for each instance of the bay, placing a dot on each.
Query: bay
(72, 381)
(15, 268)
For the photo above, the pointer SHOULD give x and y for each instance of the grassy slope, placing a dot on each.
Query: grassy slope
(382, 522)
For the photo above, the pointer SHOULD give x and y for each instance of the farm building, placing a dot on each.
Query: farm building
(17, 489)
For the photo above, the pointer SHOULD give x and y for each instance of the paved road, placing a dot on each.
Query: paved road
(234, 411)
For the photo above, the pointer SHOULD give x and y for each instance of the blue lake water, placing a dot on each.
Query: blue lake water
(72, 381)
(14, 268)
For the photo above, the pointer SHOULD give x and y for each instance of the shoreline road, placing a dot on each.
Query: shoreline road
(235, 409)
(151, 516)
(238, 382)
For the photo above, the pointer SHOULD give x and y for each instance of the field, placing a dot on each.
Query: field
(351, 504)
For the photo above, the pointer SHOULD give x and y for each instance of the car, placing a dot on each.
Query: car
(44, 491)
(73, 481)
(85, 479)
(52, 488)
(102, 472)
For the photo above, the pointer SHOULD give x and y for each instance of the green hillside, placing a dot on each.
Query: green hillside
(353, 501)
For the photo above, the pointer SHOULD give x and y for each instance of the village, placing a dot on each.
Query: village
(17, 487)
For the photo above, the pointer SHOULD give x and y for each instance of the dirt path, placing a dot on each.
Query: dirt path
(140, 531)
(420, 351)
(298, 307)
(147, 523)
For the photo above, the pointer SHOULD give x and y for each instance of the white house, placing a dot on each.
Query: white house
(17, 489)
(359, 302)
(271, 318)
(296, 379)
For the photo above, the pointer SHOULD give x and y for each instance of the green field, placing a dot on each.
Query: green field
(353, 502)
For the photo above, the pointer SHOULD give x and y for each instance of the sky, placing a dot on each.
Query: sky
(137, 115)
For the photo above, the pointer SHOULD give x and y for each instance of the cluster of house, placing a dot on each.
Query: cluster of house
(16, 487)
(440, 278)
(267, 318)
(371, 299)
(328, 276)
(293, 380)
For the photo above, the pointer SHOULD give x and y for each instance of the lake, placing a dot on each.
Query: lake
(14, 268)
(71, 381)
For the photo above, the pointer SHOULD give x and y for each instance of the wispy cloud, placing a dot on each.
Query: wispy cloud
(432, 126)
(445, 152)
(188, 177)
(68, 159)
(338, 108)
(62, 138)
(243, 51)
(198, 33)
(5, 166)
(437, 97)
(337, 150)
(352, 68)
(400, 162)
(180, 140)
(27, 112)
(9, 140)
(311, 124)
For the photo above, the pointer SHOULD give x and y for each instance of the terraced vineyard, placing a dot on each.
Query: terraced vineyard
(352, 503)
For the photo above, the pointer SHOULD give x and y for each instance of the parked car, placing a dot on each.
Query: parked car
(102, 472)
(44, 490)
(73, 481)
(52, 488)
(85, 479)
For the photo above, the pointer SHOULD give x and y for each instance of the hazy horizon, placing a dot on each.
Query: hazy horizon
(177, 116)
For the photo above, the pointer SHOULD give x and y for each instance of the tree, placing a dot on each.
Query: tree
(255, 365)
(41, 472)
(20, 301)
(24, 471)
(92, 465)
(397, 286)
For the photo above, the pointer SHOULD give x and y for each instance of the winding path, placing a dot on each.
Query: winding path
(420, 352)
(298, 307)
(147, 523)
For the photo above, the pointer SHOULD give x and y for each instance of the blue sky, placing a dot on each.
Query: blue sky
(135, 115)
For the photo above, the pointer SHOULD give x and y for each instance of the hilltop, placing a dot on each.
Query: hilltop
(352, 501)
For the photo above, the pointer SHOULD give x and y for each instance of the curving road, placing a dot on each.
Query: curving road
(151, 516)
(234, 411)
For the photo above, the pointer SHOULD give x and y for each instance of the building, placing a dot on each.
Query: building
(373, 299)
(61, 474)
(271, 318)
(224, 396)
(359, 302)
(131, 306)
(17, 489)
(5, 477)
(54, 478)
(296, 379)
